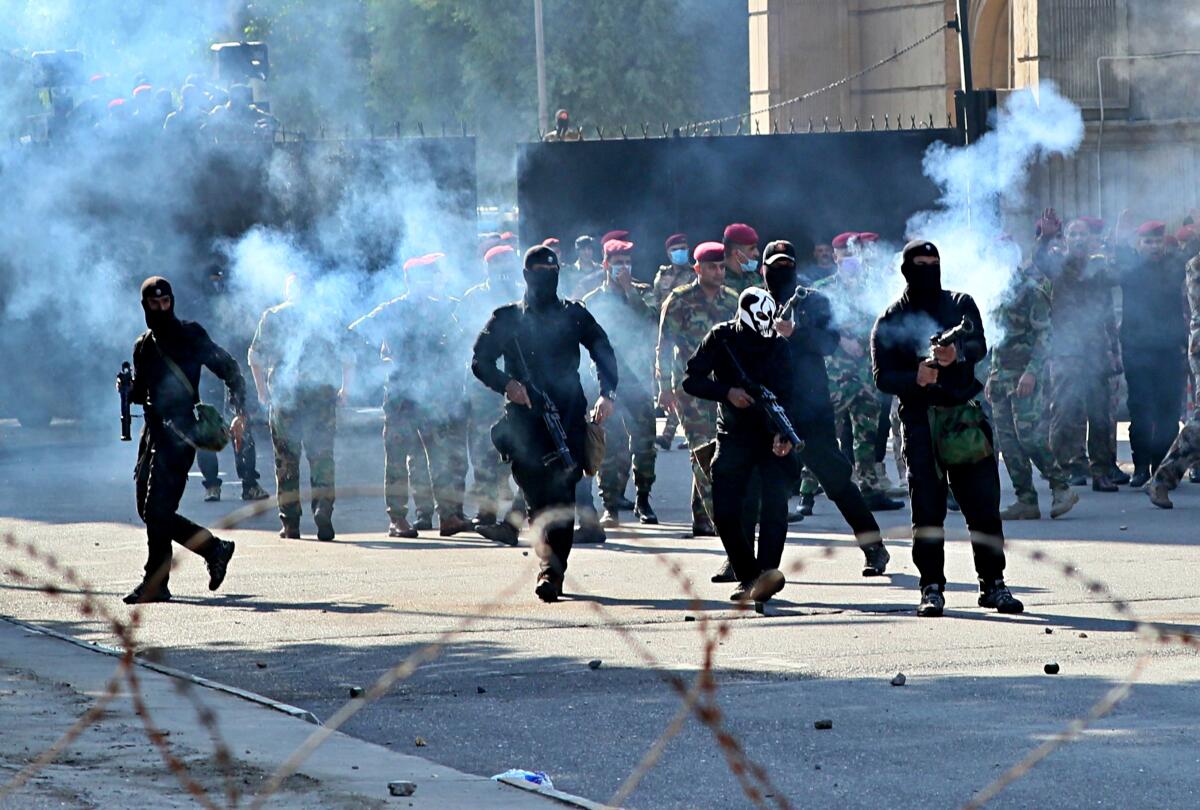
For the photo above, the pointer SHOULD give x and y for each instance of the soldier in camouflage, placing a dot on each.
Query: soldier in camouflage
(300, 360)
(687, 316)
(1016, 389)
(852, 388)
(676, 272)
(423, 413)
(741, 257)
(1185, 450)
(619, 306)
(484, 406)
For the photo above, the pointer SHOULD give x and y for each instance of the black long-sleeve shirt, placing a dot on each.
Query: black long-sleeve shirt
(549, 338)
(900, 343)
(156, 386)
(711, 374)
(1154, 311)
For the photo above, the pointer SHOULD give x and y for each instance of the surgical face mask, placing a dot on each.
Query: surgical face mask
(679, 256)
(850, 264)
(750, 266)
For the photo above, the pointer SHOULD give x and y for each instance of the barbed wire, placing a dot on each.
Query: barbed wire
(831, 86)
(698, 698)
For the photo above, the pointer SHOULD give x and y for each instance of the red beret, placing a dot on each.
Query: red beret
(676, 239)
(97, 77)
(551, 242)
(842, 239)
(1186, 234)
(142, 88)
(740, 234)
(508, 236)
(423, 261)
(498, 251)
(1152, 228)
(1170, 241)
(709, 252)
(617, 247)
(116, 102)
(1095, 224)
(867, 236)
(614, 235)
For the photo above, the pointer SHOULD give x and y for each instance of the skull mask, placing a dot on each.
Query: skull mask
(756, 311)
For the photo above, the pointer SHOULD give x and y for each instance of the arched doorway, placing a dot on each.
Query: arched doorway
(991, 46)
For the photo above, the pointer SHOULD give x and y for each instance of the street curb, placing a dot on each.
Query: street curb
(103, 649)
(567, 799)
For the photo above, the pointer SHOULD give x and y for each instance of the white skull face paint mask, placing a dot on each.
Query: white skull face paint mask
(756, 311)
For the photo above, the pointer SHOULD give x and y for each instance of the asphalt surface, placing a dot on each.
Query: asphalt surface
(302, 622)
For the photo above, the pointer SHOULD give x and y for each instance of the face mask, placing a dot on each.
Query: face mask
(541, 287)
(160, 321)
(850, 265)
(756, 311)
(781, 281)
(750, 266)
(679, 257)
(924, 281)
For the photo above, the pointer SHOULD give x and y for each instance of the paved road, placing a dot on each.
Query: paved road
(303, 621)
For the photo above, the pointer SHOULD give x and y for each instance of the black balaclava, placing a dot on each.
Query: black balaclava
(924, 288)
(782, 279)
(161, 323)
(541, 288)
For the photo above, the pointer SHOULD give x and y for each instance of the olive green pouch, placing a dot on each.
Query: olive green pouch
(958, 434)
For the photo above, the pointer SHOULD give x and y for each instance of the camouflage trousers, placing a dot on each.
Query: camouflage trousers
(670, 426)
(698, 417)
(413, 437)
(629, 443)
(307, 424)
(491, 489)
(1023, 435)
(1184, 454)
(1081, 415)
(860, 402)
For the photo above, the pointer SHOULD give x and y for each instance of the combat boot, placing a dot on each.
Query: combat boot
(549, 586)
(703, 528)
(663, 443)
(424, 522)
(997, 595)
(212, 494)
(624, 504)
(451, 524)
(725, 573)
(1021, 511)
(1079, 480)
(218, 562)
(1063, 501)
(400, 528)
(611, 517)
(290, 530)
(142, 594)
(1101, 483)
(1194, 475)
(1118, 476)
(1141, 476)
(589, 535)
(876, 561)
(325, 531)
(807, 501)
(503, 532)
(484, 517)
(933, 603)
(253, 492)
(1160, 495)
(644, 511)
(795, 517)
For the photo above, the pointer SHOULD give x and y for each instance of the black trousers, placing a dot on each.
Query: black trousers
(161, 475)
(822, 455)
(1155, 401)
(736, 460)
(550, 489)
(245, 462)
(885, 427)
(976, 487)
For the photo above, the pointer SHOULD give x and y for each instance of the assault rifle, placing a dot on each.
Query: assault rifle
(776, 415)
(544, 405)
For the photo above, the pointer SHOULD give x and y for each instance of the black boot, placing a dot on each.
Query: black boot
(725, 573)
(1141, 475)
(932, 602)
(624, 504)
(325, 531)
(218, 563)
(484, 517)
(1101, 483)
(997, 595)
(879, 502)
(290, 529)
(644, 511)
(1194, 475)
(876, 560)
(1118, 476)
(142, 594)
(807, 501)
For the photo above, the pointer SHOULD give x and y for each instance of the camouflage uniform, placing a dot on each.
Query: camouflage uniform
(737, 280)
(578, 281)
(1022, 431)
(423, 412)
(1185, 450)
(304, 372)
(484, 406)
(851, 386)
(1082, 345)
(668, 277)
(629, 322)
(687, 316)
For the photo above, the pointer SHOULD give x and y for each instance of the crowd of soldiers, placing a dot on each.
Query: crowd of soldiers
(722, 329)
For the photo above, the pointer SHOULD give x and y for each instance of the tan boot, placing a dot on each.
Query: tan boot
(1064, 501)
(1021, 511)
(1158, 492)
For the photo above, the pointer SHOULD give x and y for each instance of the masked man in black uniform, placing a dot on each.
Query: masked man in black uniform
(539, 339)
(746, 441)
(811, 336)
(946, 434)
(166, 376)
